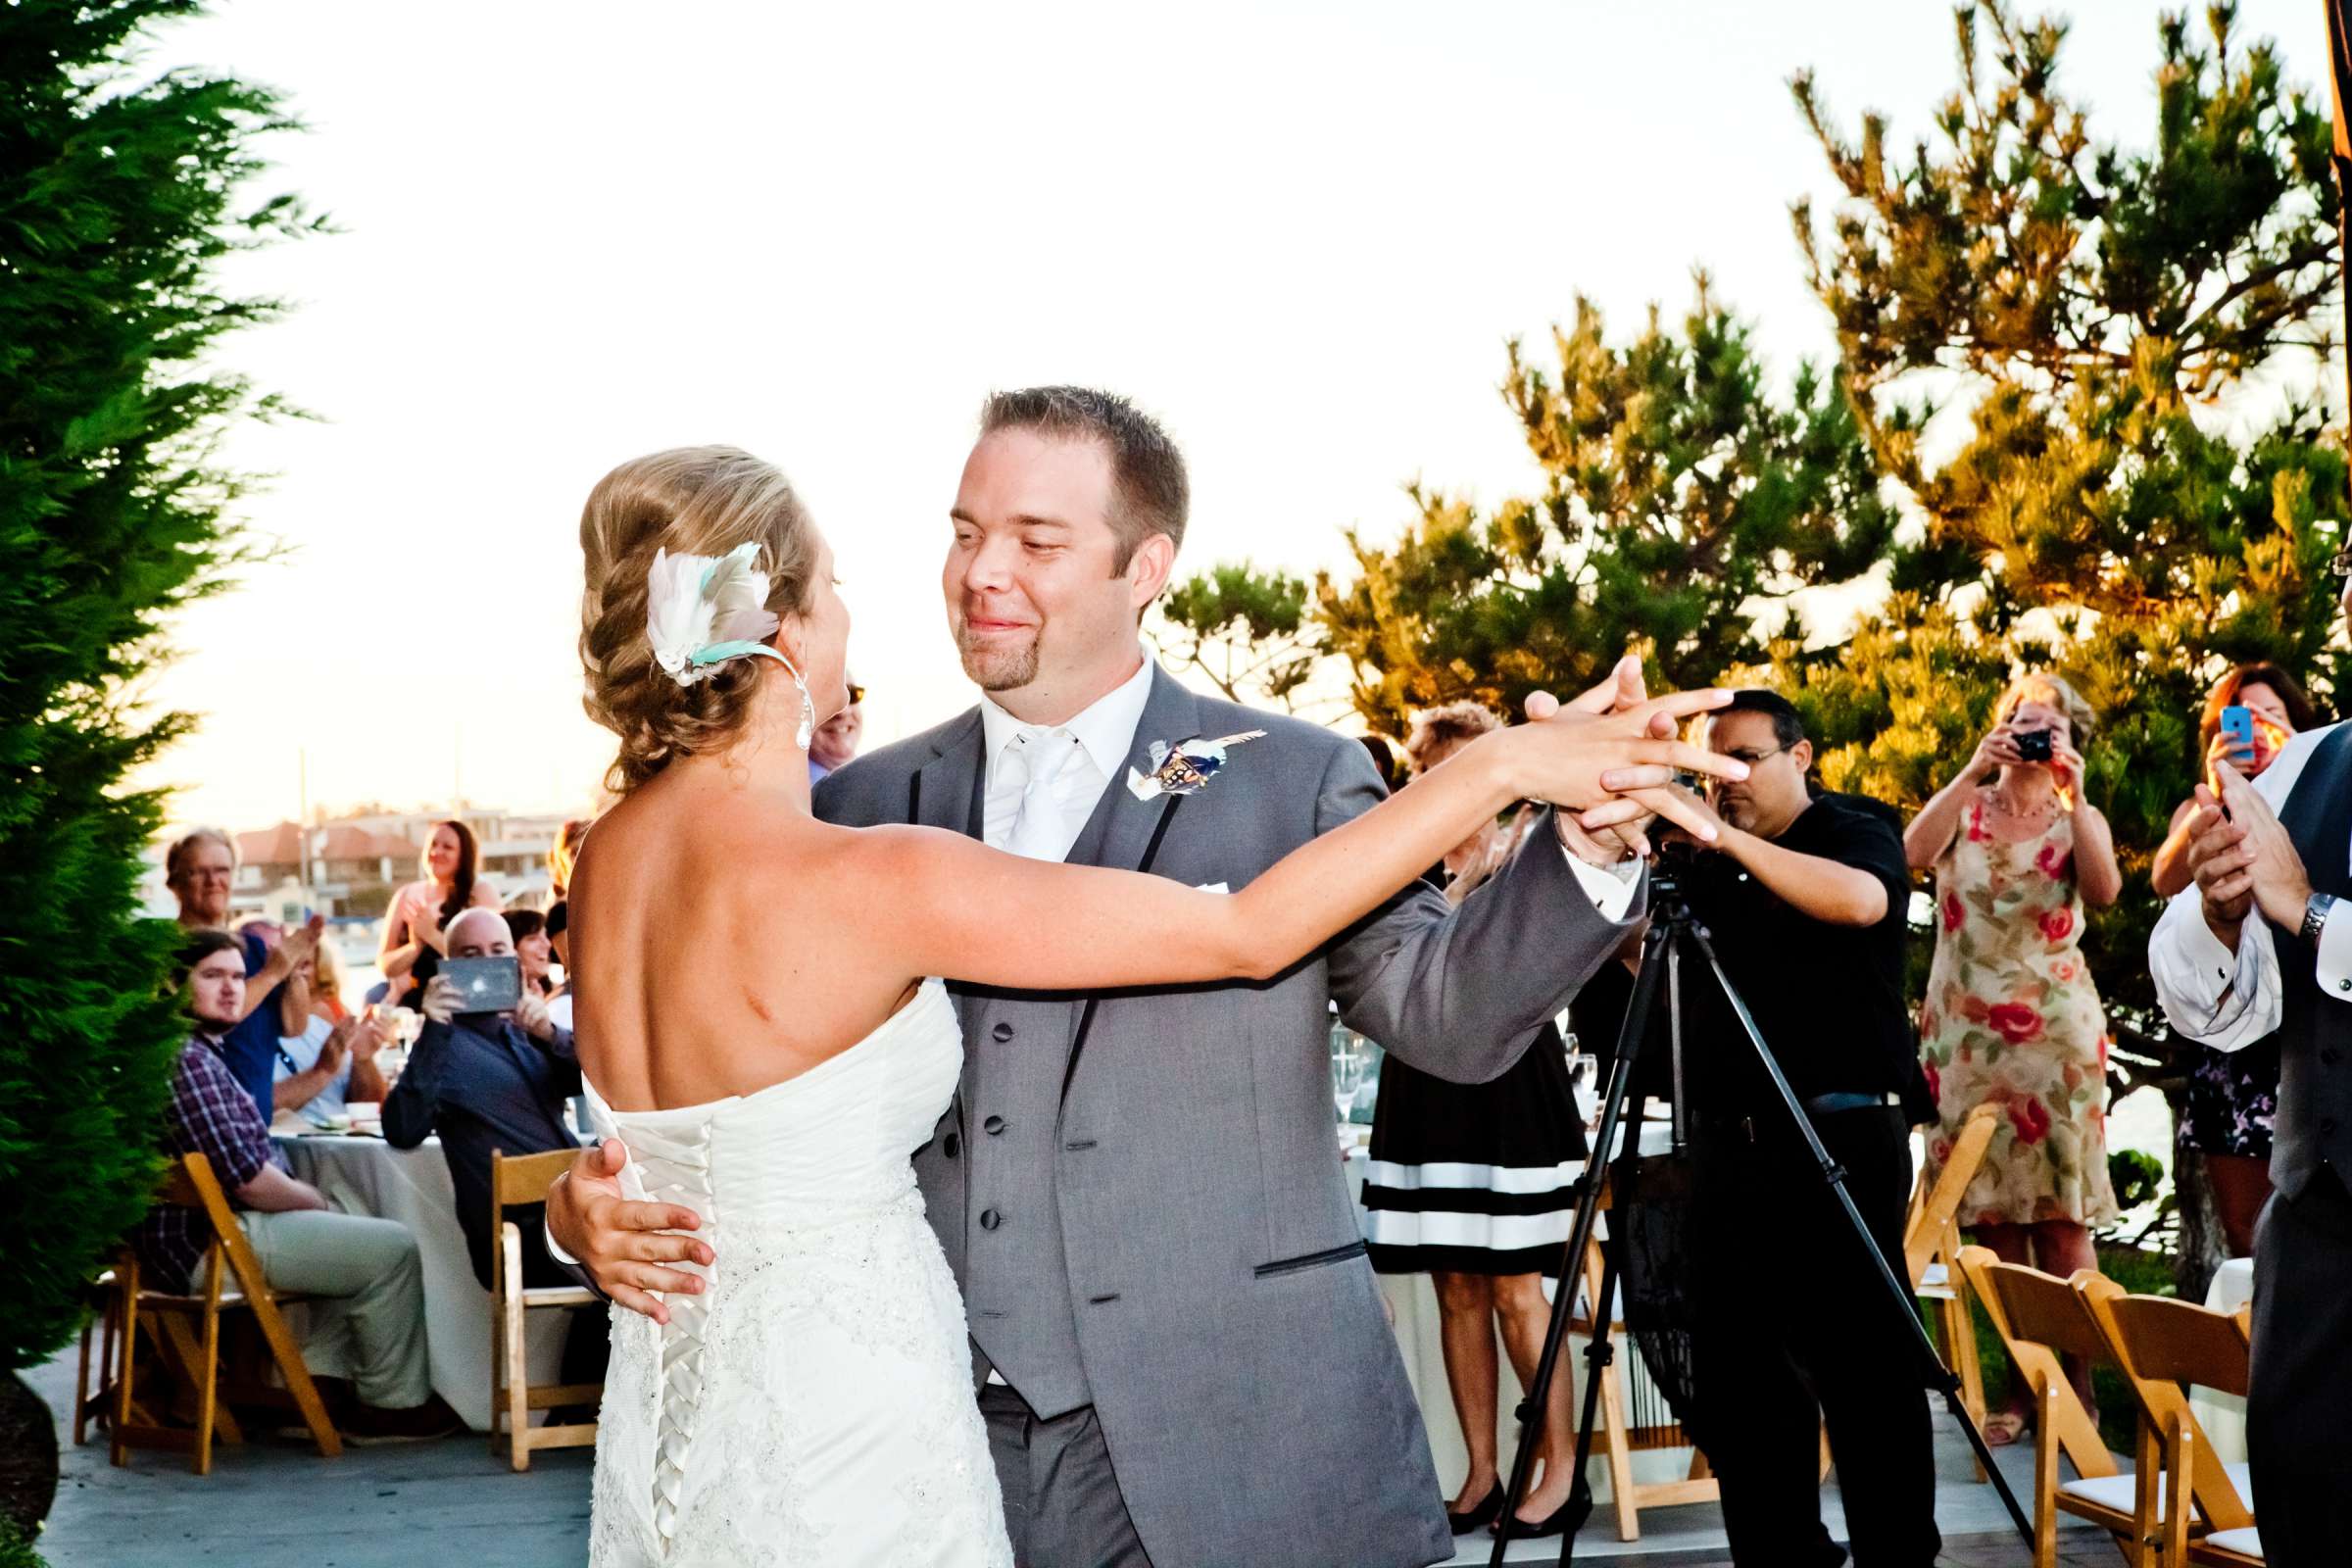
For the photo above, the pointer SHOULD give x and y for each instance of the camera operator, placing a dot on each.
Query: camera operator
(1803, 896)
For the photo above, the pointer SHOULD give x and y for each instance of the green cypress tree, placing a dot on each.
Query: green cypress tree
(118, 197)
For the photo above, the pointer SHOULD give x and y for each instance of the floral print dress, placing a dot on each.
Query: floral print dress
(2012, 1017)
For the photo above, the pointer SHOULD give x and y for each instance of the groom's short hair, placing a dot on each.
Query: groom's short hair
(1151, 494)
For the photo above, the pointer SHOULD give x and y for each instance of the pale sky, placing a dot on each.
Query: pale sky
(1298, 233)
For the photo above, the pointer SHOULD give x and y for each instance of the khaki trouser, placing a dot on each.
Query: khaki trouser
(367, 1276)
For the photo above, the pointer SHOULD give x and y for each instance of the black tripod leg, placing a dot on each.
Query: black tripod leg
(1572, 1263)
(1939, 1376)
(1600, 1357)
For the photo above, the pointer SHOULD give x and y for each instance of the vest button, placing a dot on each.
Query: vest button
(950, 1146)
(2327, 1124)
(2330, 1055)
(1000, 1032)
(990, 1219)
(992, 1125)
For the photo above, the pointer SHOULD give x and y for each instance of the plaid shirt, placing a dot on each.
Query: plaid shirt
(211, 1114)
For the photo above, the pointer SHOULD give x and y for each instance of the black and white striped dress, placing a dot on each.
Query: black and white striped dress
(1473, 1178)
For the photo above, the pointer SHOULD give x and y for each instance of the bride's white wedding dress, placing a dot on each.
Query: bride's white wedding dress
(815, 1404)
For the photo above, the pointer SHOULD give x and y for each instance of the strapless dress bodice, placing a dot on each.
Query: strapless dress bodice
(811, 1404)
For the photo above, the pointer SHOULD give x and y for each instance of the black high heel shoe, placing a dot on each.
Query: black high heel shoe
(1478, 1518)
(1524, 1530)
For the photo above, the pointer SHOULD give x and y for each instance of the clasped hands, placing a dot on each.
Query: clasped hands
(2242, 858)
(1616, 828)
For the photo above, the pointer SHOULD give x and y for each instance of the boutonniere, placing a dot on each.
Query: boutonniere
(1182, 769)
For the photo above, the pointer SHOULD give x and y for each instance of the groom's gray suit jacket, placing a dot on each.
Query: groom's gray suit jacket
(1138, 1190)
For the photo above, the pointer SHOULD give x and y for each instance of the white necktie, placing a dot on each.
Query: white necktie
(1041, 828)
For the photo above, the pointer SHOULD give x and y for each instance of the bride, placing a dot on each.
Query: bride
(762, 1019)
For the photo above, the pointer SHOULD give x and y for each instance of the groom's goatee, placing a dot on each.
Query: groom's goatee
(998, 669)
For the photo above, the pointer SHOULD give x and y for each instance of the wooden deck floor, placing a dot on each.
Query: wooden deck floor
(447, 1504)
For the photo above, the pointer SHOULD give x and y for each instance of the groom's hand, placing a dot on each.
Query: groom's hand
(621, 1243)
(1624, 689)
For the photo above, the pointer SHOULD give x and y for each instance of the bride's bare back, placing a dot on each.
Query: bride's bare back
(712, 928)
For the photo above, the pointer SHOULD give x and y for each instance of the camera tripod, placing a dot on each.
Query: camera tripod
(1672, 928)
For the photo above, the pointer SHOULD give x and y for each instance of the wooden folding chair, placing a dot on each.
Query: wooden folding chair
(1621, 1435)
(2162, 1343)
(1932, 1250)
(525, 1179)
(2041, 1317)
(186, 1330)
(93, 1401)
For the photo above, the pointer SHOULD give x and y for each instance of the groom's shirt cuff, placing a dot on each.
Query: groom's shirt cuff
(1610, 887)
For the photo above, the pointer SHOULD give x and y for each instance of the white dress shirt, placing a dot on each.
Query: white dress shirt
(299, 1054)
(1026, 760)
(2231, 1000)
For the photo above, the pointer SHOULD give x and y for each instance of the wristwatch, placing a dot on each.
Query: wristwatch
(2315, 915)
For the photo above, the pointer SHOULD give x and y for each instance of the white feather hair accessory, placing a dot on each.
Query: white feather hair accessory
(702, 610)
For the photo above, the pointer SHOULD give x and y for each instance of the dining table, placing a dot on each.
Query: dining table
(362, 1174)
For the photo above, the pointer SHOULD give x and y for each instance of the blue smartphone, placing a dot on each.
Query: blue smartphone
(2238, 726)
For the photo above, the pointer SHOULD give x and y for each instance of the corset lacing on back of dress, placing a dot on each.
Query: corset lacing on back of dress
(682, 1163)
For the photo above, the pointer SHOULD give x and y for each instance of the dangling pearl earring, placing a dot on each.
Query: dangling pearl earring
(808, 728)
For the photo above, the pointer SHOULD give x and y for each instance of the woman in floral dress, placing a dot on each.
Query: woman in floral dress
(2011, 1015)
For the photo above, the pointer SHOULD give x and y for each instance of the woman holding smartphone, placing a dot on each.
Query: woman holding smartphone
(2233, 1095)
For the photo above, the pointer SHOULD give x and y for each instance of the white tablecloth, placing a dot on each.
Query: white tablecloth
(1413, 1303)
(368, 1176)
(2223, 1415)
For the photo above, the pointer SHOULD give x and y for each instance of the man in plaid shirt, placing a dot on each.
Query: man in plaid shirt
(368, 1267)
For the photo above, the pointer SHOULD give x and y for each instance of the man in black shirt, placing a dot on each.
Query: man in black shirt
(1804, 897)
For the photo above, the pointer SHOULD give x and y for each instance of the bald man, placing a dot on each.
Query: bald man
(486, 1081)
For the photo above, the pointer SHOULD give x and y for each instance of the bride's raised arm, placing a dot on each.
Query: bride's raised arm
(979, 914)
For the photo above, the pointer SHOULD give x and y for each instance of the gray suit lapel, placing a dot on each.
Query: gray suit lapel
(1121, 828)
(949, 790)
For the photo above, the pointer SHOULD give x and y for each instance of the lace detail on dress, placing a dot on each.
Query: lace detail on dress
(813, 1407)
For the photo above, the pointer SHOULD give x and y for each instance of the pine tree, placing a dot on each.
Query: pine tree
(1244, 631)
(2098, 376)
(1683, 502)
(118, 198)
(2128, 349)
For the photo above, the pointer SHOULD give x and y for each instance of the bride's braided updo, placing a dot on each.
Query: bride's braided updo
(699, 500)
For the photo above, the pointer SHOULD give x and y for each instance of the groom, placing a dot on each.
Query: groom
(1177, 1342)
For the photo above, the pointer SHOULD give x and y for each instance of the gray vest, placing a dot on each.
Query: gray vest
(2314, 1127)
(1017, 1279)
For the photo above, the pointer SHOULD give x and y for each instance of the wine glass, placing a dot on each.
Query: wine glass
(1349, 1063)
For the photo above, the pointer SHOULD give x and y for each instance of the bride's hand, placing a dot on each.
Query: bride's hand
(1579, 760)
(620, 1243)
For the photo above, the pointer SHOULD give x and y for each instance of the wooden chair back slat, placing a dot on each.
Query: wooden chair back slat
(2181, 1342)
(179, 1189)
(525, 1178)
(2046, 1309)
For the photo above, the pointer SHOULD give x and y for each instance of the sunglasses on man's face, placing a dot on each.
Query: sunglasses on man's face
(856, 694)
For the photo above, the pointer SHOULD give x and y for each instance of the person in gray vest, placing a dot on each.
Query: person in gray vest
(2262, 943)
(1176, 1338)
